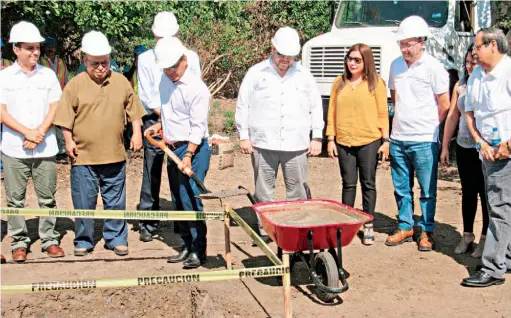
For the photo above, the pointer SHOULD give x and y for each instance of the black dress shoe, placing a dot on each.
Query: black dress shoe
(145, 236)
(194, 261)
(481, 279)
(181, 257)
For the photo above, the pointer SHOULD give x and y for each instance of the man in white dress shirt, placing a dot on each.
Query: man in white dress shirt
(29, 98)
(278, 106)
(149, 76)
(184, 100)
(488, 113)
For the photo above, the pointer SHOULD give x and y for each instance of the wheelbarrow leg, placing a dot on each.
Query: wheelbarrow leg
(342, 274)
(311, 251)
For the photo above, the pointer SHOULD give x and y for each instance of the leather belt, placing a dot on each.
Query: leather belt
(177, 144)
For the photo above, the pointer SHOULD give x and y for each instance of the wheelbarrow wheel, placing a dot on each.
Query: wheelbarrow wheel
(326, 267)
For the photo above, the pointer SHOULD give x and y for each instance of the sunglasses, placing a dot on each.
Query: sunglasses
(357, 60)
(95, 64)
(284, 56)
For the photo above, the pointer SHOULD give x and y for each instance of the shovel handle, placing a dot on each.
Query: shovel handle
(149, 134)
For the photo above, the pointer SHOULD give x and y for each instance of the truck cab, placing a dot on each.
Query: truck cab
(452, 24)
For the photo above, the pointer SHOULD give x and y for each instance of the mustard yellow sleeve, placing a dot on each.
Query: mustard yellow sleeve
(330, 123)
(381, 105)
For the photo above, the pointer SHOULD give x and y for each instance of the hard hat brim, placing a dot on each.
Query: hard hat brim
(105, 51)
(293, 50)
(28, 40)
(166, 63)
(164, 33)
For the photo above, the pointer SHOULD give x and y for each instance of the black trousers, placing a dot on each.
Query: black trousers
(151, 178)
(355, 161)
(472, 185)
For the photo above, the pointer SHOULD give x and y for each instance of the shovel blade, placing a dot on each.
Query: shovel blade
(222, 194)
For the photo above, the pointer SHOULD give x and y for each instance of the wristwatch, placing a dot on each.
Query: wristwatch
(479, 144)
(386, 140)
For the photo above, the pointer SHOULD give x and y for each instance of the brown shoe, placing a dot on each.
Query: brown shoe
(3, 260)
(399, 237)
(19, 254)
(426, 242)
(55, 251)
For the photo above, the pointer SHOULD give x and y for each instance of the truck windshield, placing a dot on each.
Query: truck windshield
(363, 13)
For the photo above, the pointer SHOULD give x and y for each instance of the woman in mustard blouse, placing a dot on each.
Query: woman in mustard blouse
(358, 123)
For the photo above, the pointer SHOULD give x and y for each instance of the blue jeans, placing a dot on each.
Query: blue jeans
(421, 157)
(151, 178)
(183, 191)
(85, 184)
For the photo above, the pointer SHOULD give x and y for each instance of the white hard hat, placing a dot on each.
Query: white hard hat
(412, 27)
(286, 41)
(165, 24)
(95, 43)
(25, 32)
(168, 51)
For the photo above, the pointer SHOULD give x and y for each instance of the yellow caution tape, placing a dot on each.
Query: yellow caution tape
(257, 239)
(117, 214)
(56, 286)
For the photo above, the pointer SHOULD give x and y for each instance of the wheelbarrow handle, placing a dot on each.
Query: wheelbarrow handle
(149, 134)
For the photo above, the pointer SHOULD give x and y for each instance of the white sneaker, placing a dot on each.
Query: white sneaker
(478, 252)
(464, 243)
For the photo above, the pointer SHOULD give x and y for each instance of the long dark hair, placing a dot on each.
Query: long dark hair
(370, 73)
(465, 77)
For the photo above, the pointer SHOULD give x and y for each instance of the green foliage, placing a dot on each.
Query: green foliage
(229, 122)
(230, 36)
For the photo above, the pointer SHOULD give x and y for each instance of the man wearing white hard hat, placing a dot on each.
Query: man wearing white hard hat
(184, 123)
(149, 78)
(92, 113)
(419, 86)
(278, 106)
(29, 98)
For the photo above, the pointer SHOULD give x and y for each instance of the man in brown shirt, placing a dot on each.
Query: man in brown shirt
(92, 112)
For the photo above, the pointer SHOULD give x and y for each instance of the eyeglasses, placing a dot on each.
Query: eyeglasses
(407, 45)
(357, 60)
(95, 64)
(478, 47)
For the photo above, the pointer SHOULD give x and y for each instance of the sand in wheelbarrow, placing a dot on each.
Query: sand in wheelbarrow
(301, 214)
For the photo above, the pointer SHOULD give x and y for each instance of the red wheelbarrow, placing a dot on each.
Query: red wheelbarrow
(309, 225)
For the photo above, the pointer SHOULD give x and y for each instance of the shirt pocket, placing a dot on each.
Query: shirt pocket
(262, 90)
(15, 93)
(299, 93)
(42, 91)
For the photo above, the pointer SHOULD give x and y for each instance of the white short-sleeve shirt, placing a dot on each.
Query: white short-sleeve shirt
(28, 98)
(416, 106)
(489, 97)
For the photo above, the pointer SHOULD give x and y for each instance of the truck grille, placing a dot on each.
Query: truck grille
(328, 61)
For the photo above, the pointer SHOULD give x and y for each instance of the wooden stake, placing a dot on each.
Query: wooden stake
(286, 284)
(227, 232)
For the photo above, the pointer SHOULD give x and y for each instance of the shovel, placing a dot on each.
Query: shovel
(205, 193)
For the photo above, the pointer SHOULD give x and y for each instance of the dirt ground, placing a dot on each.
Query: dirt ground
(385, 281)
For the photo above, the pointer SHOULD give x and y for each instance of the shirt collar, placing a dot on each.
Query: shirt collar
(186, 78)
(18, 69)
(421, 60)
(500, 69)
(270, 65)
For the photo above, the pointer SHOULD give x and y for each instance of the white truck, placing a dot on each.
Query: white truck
(452, 24)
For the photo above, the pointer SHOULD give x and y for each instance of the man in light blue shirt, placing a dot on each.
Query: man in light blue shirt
(149, 78)
(488, 113)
